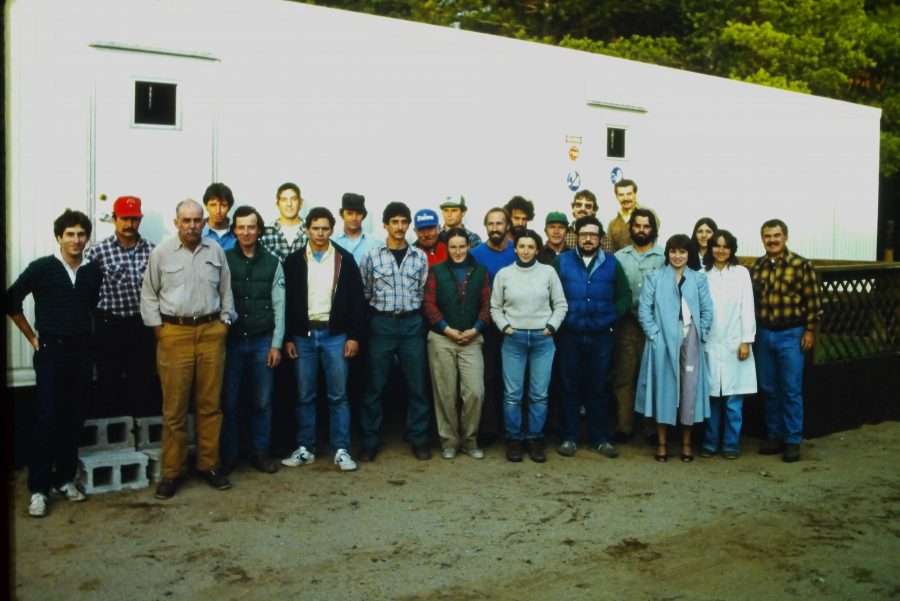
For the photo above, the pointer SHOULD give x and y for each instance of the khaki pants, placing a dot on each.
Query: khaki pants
(626, 362)
(191, 359)
(457, 375)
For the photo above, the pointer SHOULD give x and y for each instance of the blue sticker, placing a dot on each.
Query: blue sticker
(616, 174)
(573, 180)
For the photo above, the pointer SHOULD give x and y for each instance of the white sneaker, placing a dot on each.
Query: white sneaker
(299, 457)
(70, 491)
(343, 460)
(448, 453)
(38, 506)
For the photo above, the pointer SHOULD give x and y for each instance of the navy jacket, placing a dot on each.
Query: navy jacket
(598, 294)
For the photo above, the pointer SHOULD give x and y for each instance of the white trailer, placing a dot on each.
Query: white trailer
(158, 99)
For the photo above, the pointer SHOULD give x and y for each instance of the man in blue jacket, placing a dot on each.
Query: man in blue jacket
(598, 295)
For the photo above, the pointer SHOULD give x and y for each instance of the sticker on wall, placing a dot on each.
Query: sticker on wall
(573, 180)
(573, 153)
(616, 174)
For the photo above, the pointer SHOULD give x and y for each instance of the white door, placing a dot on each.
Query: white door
(153, 135)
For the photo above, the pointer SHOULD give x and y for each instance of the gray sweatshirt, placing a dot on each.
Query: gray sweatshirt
(528, 298)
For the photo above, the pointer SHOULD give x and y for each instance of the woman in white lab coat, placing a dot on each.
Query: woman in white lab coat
(729, 347)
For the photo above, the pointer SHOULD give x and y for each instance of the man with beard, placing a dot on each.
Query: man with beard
(520, 211)
(583, 204)
(598, 294)
(619, 228)
(125, 347)
(494, 255)
(640, 257)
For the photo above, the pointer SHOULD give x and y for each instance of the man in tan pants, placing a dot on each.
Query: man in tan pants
(186, 298)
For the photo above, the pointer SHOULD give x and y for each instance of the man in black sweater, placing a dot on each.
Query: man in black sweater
(65, 287)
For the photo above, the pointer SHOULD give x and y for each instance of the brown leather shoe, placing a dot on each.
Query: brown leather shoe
(514, 450)
(166, 489)
(537, 450)
(263, 463)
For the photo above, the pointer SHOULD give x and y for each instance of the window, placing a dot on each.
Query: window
(155, 103)
(615, 143)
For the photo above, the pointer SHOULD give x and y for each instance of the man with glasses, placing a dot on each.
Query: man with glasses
(583, 204)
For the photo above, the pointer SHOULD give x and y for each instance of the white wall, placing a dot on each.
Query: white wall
(338, 101)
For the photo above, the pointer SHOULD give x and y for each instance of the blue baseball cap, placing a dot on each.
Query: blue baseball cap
(425, 218)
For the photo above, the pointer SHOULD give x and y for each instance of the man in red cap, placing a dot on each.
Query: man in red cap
(126, 381)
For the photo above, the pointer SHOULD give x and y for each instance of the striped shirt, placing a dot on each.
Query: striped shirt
(391, 288)
(786, 292)
(275, 242)
(123, 274)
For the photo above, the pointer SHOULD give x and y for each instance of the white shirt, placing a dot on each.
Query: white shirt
(69, 270)
(319, 283)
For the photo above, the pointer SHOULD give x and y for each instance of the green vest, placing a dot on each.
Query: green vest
(459, 315)
(251, 284)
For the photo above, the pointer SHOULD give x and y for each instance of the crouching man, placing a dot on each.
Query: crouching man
(253, 349)
(325, 320)
(65, 287)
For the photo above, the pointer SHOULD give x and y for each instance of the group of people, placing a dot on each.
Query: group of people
(484, 333)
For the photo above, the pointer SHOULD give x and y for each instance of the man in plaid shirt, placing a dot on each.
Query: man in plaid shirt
(126, 380)
(583, 204)
(287, 234)
(788, 308)
(394, 284)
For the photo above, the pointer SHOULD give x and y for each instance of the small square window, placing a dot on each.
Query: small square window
(615, 143)
(154, 103)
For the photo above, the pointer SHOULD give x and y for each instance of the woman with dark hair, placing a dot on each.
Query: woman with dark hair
(528, 305)
(457, 306)
(676, 314)
(704, 231)
(729, 354)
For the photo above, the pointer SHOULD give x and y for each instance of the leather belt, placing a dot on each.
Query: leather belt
(396, 315)
(189, 321)
(318, 325)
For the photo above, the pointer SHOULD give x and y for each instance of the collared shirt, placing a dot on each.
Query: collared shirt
(186, 283)
(72, 273)
(636, 266)
(786, 292)
(319, 283)
(572, 240)
(226, 240)
(274, 240)
(359, 247)
(123, 273)
(392, 288)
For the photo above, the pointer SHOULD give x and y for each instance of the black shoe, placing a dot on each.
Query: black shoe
(166, 489)
(514, 450)
(263, 463)
(791, 453)
(771, 447)
(216, 479)
(422, 452)
(367, 455)
(537, 450)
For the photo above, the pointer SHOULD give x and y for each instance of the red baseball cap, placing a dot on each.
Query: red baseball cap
(127, 206)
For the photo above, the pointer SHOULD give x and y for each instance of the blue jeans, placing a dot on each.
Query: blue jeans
(246, 370)
(322, 347)
(405, 338)
(733, 407)
(584, 367)
(779, 367)
(533, 349)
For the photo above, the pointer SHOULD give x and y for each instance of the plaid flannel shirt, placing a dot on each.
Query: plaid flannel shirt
(123, 274)
(572, 241)
(274, 241)
(786, 292)
(391, 288)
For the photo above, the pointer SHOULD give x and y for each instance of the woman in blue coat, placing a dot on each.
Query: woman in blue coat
(676, 314)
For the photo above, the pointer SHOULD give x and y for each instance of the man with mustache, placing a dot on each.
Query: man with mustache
(788, 309)
(619, 228)
(640, 257)
(584, 203)
(126, 378)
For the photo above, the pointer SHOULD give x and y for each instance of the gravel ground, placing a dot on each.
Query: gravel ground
(587, 528)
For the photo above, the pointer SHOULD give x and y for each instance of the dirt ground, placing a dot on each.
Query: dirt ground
(587, 528)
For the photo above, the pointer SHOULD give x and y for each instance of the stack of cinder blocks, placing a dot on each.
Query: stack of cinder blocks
(120, 453)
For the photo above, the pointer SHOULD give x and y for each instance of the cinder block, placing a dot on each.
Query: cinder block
(110, 471)
(107, 434)
(149, 431)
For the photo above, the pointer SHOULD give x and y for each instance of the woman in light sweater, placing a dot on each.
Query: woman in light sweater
(527, 305)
